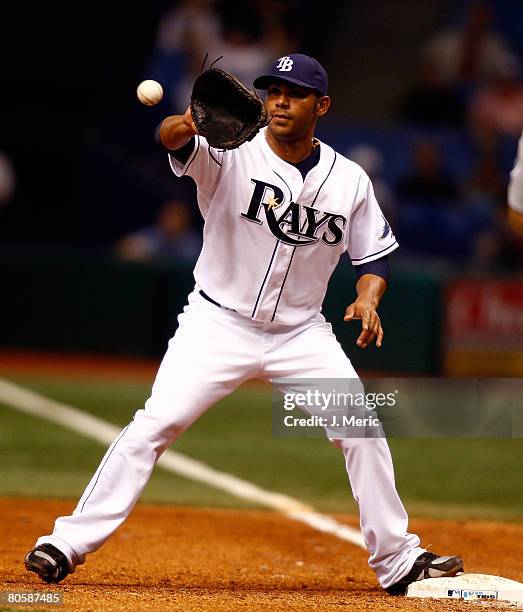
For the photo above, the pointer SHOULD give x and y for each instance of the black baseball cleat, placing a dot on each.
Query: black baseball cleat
(427, 565)
(48, 562)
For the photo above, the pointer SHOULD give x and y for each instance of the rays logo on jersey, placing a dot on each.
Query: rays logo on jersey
(295, 224)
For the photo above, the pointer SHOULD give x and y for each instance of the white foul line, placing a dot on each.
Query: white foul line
(92, 427)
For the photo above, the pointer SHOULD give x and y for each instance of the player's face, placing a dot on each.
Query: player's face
(293, 110)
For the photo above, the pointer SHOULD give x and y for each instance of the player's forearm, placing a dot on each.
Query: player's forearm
(371, 288)
(176, 131)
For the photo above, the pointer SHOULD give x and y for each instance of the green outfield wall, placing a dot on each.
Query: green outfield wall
(96, 304)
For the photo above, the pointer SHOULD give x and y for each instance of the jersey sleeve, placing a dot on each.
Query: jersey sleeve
(204, 165)
(370, 235)
(515, 186)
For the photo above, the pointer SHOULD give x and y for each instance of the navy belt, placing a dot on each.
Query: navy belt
(209, 299)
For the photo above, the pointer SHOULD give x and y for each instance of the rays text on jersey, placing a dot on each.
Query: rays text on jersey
(297, 224)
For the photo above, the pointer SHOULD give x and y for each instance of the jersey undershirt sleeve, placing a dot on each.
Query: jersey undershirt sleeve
(183, 153)
(378, 267)
(370, 236)
(515, 186)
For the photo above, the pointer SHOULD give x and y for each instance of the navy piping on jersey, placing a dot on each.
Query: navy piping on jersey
(265, 278)
(281, 177)
(283, 283)
(290, 261)
(377, 252)
(209, 298)
(318, 192)
(193, 157)
(102, 467)
(212, 156)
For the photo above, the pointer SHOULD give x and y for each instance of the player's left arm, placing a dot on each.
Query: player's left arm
(370, 240)
(370, 289)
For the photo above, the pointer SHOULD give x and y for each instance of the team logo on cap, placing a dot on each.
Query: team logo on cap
(285, 64)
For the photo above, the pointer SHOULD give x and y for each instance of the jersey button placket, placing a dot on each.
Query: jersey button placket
(281, 264)
(276, 279)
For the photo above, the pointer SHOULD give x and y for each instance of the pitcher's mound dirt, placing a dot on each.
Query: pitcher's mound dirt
(173, 558)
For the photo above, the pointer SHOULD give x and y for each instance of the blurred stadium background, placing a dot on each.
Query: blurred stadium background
(98, 239)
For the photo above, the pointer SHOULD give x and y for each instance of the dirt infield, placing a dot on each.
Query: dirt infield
(174, 558)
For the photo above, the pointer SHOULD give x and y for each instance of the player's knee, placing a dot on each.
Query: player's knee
(158, 428)
(346, 444)
(337, 442)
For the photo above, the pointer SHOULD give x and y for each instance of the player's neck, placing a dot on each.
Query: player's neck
(291, 151)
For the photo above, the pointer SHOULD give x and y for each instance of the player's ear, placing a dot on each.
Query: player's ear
(322, 105)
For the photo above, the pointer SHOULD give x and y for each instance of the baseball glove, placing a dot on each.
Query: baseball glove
(224, 111)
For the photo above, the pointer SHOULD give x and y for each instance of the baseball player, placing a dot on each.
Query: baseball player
(515, 186)
(279, 212)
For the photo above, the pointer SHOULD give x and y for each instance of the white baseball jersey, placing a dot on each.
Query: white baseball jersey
(272, 240)
(515, 187)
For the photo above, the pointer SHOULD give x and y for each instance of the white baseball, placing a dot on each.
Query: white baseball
(149, 92)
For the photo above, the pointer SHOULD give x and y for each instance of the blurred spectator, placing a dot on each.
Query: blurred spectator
(183, 34)
(498, 246)
(283, 23)
(7, 179)
(497, 109)
(485, 188)
(467, 53)
(428, 182)
(171, 238)
(247, 35)
(188, 27)
(371, 160)
(432, 101)
(246, 52)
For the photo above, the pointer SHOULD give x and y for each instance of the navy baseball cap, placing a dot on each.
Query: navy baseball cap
(298, 69)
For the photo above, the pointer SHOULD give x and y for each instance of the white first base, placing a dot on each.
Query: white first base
(469, 587)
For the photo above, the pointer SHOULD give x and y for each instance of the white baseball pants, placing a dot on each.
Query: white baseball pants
(213, 351)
